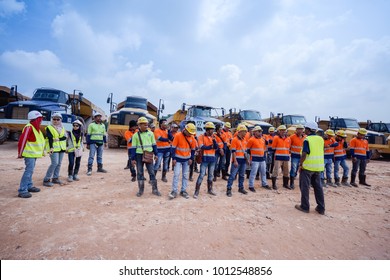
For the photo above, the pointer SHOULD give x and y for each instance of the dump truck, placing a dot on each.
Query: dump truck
(131, 108)
(290, 121)
(48, 101)
(250, 117)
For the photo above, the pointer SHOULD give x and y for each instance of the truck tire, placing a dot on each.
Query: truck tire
(3, 135)
(375, 154)
(113, 141)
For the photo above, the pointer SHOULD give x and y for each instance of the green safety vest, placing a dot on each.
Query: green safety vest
(96, 131)
(58, 145)
(75, 145)
(315, 160)
(34, 149)
(147, 141)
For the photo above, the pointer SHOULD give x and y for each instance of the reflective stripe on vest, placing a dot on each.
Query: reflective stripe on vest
(75, 146)
(34, 149)
(315, 160)
(58, 145)
(96, 131)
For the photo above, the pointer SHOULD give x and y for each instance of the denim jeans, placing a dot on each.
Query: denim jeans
(210, 166)
(294, 167)
(73, 162)
(345, 167)
(240, 169)
(360, 165)
(26, 182)
(258, 165)
(184, 168)
(54, 169)
(140, 168)
(162, 156)
(220, 162)
(328, 162)
(310, 178)
(93, 148)
(132, 168)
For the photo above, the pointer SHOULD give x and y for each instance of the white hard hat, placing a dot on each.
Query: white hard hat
(77, 122)
(56, 115)
(97, 114)
(33, 115)
(311, 125)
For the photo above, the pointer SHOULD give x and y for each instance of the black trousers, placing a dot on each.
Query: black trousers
(306, 179)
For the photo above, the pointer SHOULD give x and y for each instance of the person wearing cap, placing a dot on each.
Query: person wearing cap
(31, 146)
(329, 145)
(311, 164)
(75, 148)
(173, 129)
(219, 153)
(228, 137)
(142, 141)
(208, 145)
(163, 140)
(340, 159)
(360, 157)
(270, 153)
(257, 146)
(183, 151)
(128, 136)
(239, 157)
(56, 145)
(96, 141)
(295, 149)
(281, 146)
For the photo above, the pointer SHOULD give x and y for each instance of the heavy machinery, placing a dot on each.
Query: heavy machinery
(121, 114)
(250, 117)
(48, 101)
(290, 121)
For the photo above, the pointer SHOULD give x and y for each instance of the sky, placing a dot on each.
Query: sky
(316, 58)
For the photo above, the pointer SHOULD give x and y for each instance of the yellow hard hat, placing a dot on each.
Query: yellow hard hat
(257, 128)
(191, 128)
(362, 131)
(241, 127)
(228, 125)
(142, 120)
(300, 126)
(282, 127)
(341, 133)
(329, 132)
(271, 129)
(209, 125)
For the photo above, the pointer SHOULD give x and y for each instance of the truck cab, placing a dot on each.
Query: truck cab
(250, 117)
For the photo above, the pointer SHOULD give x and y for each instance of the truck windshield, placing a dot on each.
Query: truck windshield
(388, 127)
(250, 115)
(351, 123)
(202, 112)
(46, 95)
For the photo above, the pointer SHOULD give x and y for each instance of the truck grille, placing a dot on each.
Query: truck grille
(20, 112)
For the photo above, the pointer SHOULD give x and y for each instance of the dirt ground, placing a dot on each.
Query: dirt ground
(100, 217)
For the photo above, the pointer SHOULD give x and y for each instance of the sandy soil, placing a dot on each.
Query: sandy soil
(100, 217)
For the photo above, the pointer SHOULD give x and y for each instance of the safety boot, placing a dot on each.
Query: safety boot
(224, 175)
(330, 183)
(292, 186)
(197, 188)
(344, 181)
(141, 187)
(164, 177)
(210, 188)
(100, 168)
(337, 182)
(362, 181)
(353, 178)
(154, 188)
(89, 171)
(215, 176)
(274, 183)
(285, 183)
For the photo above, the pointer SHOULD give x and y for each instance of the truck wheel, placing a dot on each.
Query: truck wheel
(375, 154)
(3, 135)
(113, 141)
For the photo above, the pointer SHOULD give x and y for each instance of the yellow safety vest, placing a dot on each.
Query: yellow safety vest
(58, 145)
(96, 131)
(315, 160)
(76, 145)
(34, 149)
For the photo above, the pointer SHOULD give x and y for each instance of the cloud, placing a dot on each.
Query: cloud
(11, 7)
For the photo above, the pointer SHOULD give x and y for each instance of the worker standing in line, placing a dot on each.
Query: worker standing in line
(173, 129)
(96, 142)
(133, 128)
(219, 153)
(144, 141)
(208, 146)
(361, 155)
(163, 140)
(340, 158)
(311, 164)
(75, 148)
(329, 145)
(257, 146)
(183, 151)
(228, 140)
(270, 152)
(295, 150)
(31, 146)
(238, 150)
(281, 147)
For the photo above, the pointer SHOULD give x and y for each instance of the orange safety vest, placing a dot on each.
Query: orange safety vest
(282, 148)
(339, 151)
(238, 146)
(360, 147)
(227, 136)
(257, 147)
(183, 146)
(128, 135)
(158, 132)
(270, 139)
(205, 140)
(296, 145)
(219, 141)
(329, 151)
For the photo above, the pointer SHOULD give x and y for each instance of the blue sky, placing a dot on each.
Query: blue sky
(316, 58)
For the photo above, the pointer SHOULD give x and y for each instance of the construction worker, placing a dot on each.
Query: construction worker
(239, 159)
(31, 146)
(340, 158)
(220, 152)
(208, 145)
(228, 137)
(281, 147)
(96, 142)
(295, 149)
(270, 152)
(133, 128)
(257, 146)
(311, 164)
(56, 146)
(163, 140)
(183, 151)
(174, 128)
(329, 145)
(144, 141)
(360, 157)
(74, 147)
